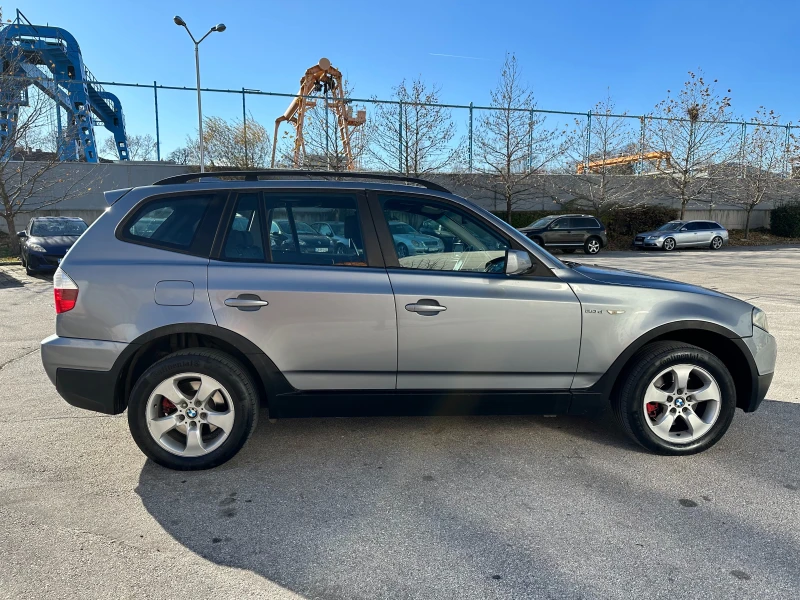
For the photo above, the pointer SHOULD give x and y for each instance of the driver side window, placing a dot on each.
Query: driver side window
(432, 236)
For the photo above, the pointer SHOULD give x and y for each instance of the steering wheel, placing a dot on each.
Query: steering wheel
(496, 265)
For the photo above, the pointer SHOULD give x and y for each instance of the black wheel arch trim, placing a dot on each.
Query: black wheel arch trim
(272, 381)
(605, 385)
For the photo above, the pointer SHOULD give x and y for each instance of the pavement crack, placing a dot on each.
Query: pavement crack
(28, 353)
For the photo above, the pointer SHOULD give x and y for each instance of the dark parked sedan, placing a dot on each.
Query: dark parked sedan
(46, 241)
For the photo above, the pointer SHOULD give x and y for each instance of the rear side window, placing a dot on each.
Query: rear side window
(244, 240)
(696, 226)
(585, 223)
(170, 223)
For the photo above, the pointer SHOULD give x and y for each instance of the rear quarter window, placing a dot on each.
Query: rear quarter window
(170, 223)
(585, 223)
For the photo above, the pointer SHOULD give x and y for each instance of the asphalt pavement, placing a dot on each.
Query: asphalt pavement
(374, 508)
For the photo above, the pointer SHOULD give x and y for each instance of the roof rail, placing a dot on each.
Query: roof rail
(268, 173)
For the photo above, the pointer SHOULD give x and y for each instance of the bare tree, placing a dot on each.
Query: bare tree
(690, 132)
(413, 135)
(512, 144)
(31, 179)
(238, 143)
(765, 153)
(140, 147)
(609, 143)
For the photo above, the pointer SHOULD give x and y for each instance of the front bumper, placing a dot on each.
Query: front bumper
(645, 243)
(85, 372)
(764, 350)
(39, 261)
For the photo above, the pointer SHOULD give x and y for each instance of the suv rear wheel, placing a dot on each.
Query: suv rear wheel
(592, 245)
(675, 398)
(193, 409)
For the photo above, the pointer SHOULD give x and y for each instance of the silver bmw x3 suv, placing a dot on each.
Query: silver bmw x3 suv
(182, 304)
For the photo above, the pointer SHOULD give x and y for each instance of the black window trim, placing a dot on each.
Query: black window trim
(272, 197)
(204, 237)
(390, 254)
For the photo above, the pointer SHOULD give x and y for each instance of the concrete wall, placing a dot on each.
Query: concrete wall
(84, 184)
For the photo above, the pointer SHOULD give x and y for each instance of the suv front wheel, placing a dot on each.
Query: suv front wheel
(675, 398)
(193, 409)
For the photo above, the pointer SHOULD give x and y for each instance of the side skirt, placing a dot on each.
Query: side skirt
(434, 403)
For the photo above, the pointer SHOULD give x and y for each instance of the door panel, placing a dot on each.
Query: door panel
(324, 327)
(496, 332)
(325, 318)
(559, 233)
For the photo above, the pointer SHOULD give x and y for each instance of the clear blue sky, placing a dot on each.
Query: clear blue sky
(571, 52)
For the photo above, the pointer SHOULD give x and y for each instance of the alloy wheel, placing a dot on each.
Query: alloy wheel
(682, 403)
(716, 243)
(669, 244)
(190, 414)
(593, 246)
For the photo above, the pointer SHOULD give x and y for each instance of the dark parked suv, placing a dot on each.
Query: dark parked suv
(568, 233)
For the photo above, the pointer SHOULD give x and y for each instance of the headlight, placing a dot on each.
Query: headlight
(416, 244)
(652, 237)
(36, 248)
(760, 319)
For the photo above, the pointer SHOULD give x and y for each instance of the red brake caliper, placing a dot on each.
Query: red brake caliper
(167, 406)
(652, 409)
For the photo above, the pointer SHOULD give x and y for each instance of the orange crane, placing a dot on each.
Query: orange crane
(595, 165)
(322, 77)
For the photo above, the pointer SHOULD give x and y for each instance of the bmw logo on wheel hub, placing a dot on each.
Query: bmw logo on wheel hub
(191, 413)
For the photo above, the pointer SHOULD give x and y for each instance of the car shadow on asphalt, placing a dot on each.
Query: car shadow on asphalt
(487, 507)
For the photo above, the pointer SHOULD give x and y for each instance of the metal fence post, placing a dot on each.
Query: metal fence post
(641, 146)
(530, 141)
(158, 133)
(788, 166)
(244, 125)
(470, 137)
(588, 138)
(400, 140)
(741, 151)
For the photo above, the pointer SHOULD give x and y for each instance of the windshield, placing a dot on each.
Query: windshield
(58, 227)
(400, 228)
(541, 223)
(672, 226)
(304, 228)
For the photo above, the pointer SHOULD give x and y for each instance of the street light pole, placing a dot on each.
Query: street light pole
(220, 28)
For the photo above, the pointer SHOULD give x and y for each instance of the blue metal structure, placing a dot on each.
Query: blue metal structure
(50, 59)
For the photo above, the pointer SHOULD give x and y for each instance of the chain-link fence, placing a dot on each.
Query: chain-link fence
(419, 137)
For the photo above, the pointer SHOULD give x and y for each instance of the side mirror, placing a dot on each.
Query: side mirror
(22, 234)
(518, 262)
(458, 247)
(684, 229)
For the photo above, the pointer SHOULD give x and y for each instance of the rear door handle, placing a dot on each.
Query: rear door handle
(246, 302)
(426, 308)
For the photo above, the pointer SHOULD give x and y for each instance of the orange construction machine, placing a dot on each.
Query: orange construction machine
(321, 78)
(595, 165)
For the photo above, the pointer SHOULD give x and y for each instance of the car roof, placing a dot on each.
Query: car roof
(57, 219)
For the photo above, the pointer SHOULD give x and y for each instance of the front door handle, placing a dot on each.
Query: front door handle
(426, 308)
(246, 302)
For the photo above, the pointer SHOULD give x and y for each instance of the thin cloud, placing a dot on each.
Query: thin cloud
(456, 56)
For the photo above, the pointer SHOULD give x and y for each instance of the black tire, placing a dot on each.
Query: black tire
(716, 243)
(538, 240)
(592, 245)
(28, 270)
(669, 244)
(214, 363)
(645, 365)
(402, 251)
(568, 250)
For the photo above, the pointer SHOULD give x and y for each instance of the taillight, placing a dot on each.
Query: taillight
(65, 291)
